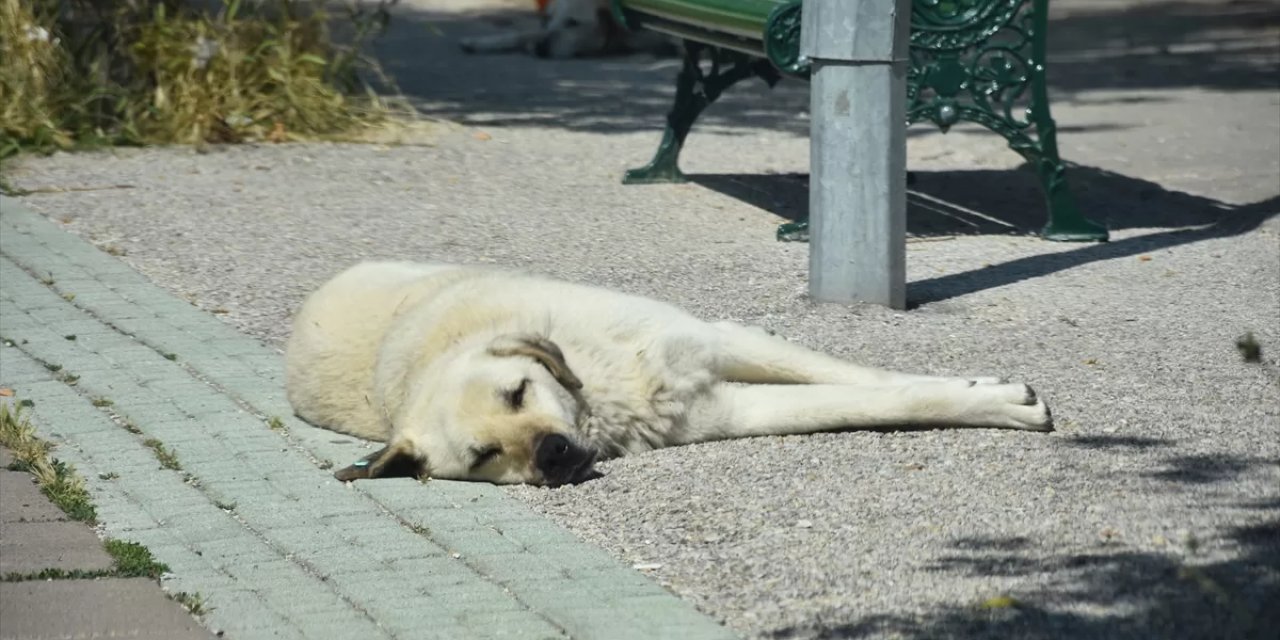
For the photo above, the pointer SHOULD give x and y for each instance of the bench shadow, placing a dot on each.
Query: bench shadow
(1001, 202)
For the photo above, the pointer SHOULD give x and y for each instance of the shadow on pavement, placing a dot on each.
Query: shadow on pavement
(1205, 469)
(1156, 45)
(999, 201)
(1175, 594)
(1232, 221)
(981, 202)
(1093, 45)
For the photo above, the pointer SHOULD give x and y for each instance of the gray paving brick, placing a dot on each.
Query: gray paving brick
(243, 614)
(514, 625)
(120, 608)
(343, 623)
(436, 571)
(480, 541)
(374, 589)
(475, 596)
(535, 534)
(297, 598)
(22, 501)
(335, 562)
(228, 550)
(28, 547)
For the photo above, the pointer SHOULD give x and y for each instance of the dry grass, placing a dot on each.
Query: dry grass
(87, 72)
(57, 480)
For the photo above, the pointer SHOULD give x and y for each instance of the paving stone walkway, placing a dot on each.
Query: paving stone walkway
(36, 536)
(181, 428)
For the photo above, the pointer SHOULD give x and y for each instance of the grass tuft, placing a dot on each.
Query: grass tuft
(57, 480)
(168, 459)
(192, 602)
(129, 560)
(133, 560)
(83, 73)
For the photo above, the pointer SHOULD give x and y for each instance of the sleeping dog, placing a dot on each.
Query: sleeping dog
(478, 374)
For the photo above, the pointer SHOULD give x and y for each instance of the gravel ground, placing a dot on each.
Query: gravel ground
(1153, 511)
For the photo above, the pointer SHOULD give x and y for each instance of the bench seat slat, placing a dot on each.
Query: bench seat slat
(749, 45)
(744, 18)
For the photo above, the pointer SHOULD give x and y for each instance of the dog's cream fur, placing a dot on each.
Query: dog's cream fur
(465, 371)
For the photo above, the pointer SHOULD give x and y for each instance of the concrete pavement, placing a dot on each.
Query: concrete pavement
(180, 426)
(35, 537)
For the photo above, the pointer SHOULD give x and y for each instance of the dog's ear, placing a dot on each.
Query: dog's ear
(396, 460)
(541, 349)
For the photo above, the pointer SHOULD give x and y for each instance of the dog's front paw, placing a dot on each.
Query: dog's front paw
(1024, 409)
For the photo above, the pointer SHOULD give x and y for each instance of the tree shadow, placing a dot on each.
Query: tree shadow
(1222, 45)
(1134, 45)
(1104, 593)
(1205, 468)
(1110, 589)
(1117, 442)
(614, 94)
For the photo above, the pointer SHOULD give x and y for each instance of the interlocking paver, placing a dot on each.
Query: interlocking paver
(122, 608)
(29, 547)
(22, 501)
(253, 519)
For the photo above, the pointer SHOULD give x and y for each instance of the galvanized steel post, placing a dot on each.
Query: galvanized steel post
(857, 184)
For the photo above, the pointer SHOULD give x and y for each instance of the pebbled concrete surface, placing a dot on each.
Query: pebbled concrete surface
(1152, 512)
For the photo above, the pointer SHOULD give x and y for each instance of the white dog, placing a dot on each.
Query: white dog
(478, 374)
(571, 28)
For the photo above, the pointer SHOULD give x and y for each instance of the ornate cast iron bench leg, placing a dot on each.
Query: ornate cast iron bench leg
(983, 61)
(696, 91)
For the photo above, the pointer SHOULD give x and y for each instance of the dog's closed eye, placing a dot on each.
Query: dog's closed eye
(515, 397)
(484, 455)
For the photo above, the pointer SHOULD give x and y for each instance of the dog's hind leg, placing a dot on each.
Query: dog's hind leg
(737, 411)
(749, 354)
(509, 42)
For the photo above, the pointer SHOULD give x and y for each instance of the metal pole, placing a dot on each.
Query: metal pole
(857, 184)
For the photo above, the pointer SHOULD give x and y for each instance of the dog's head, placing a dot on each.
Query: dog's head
(571, 28)
(503, 411)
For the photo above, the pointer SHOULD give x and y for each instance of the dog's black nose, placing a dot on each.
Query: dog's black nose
(560, 460)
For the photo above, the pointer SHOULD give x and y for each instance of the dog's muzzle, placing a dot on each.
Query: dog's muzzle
(561, 461)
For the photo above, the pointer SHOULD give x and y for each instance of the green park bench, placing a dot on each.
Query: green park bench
(980, 61)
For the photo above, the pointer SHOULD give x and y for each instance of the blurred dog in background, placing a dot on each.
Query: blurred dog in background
(571, 29)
